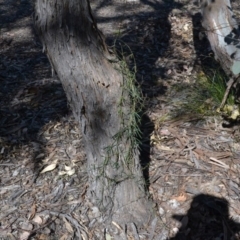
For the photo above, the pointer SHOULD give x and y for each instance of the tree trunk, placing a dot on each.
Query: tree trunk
(102, 104)
(223, 34)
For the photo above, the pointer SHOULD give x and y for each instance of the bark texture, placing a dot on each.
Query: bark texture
(94, 87)
(223, 34)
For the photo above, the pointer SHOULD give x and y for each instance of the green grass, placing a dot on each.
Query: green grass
(130, 107)
(216, 85)
(204, 96)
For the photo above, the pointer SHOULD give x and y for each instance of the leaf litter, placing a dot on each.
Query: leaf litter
(190, 154)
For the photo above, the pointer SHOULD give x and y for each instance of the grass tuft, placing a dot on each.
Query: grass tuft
(203, 97)
(130, 107)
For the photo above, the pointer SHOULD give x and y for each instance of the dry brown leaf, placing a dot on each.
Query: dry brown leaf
(33, 211)
(64, 237)
(49, 168)
(10, 236)
(74, 161)
(68, 225)
(68, 171)
(58, 124)
(153, 138)
(108, 236)
(61, 173)
(164, 148)
(37, 219)
(186, 26)
(24, 235)
(67, 168)
(71, 172)
(43, 237)
(181, 198)
(26, 226)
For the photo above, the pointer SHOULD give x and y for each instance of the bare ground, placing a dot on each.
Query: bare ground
(192, 161)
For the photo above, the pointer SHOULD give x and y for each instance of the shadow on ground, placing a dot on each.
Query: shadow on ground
(28, 103)
(12, 11)
(29, 96)
(208, 218)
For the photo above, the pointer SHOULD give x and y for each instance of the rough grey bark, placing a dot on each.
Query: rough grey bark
(223, 33)
(94, 86)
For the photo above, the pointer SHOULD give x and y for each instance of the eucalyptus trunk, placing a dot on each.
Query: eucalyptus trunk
(98, 94)
(223, 34)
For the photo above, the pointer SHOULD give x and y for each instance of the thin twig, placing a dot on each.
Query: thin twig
(229, 86)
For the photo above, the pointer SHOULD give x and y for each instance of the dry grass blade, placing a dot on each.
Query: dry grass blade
(218, 163)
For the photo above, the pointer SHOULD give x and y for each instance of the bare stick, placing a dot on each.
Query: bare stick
(229, 85)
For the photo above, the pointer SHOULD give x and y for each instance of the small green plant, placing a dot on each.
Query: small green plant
(129, 112)
(216, 84)
(203, 97)
(131, 95)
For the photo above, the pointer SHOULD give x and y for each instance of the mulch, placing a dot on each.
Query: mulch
(192, 161)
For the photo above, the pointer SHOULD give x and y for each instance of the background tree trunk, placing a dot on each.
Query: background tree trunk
(223, 34)
(95, 92)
